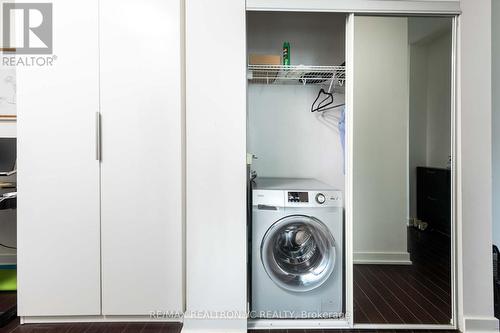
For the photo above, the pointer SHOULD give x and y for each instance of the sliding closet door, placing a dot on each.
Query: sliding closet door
(58, 174)
(402, 170)
(142, 175)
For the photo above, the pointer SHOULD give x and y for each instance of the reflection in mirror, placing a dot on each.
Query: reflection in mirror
(402, 170)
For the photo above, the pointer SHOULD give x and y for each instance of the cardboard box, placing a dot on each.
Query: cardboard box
(264, 59)
(269, 76)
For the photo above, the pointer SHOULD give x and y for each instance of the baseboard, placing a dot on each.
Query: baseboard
(404, 327)
(192, 325)
(93, 319)
(381, 258)
(298, 324)
(480, 324)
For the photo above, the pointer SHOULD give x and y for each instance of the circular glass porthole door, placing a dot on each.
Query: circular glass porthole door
(298, 253)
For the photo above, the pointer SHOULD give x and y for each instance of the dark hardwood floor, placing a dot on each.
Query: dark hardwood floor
(408, 294)
(14, 327)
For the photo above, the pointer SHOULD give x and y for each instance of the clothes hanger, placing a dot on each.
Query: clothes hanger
(332, 107)
(326, 100)
(320, 107)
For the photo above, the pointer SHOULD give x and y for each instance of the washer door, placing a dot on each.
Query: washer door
(298, 253)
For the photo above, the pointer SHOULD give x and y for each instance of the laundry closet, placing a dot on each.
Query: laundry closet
(350, 161)
(295, 138)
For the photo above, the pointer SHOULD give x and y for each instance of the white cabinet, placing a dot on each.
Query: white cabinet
(58, 174)
(142, 168)
(109, 231)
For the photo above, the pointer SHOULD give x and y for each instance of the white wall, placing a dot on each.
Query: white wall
(474, 168)
(380, 160)
(430, 100)
(288, 139)
(315, 38)
(439, 101)
(418, 117)
(495, 38)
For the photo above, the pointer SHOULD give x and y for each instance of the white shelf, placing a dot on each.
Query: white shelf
(280, 74)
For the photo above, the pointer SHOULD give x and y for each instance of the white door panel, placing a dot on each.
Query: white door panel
(58, 174)
(142, 165)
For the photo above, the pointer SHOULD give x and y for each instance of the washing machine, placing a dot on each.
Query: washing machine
(296, 249)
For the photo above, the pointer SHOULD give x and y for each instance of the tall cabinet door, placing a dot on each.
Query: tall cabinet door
(58, 174)
(142, 156)
(216, 161)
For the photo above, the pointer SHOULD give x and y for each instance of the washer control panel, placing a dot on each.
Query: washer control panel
(313, 199)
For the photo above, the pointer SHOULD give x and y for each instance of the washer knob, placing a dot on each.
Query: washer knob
(320, 198)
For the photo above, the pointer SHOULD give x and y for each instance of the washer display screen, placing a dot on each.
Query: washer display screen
(298, 197)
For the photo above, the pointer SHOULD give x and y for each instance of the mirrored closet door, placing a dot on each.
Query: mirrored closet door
(402, 170)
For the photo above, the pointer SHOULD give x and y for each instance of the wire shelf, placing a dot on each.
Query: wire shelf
(280, 74)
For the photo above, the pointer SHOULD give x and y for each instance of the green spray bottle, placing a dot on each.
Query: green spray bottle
(286, 54)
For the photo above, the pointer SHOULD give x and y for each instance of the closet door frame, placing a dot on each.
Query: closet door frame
(405, 9)
(455, 139)
(382, 7)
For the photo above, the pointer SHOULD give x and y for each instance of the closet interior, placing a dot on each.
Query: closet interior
(287, 139)
(295, 143)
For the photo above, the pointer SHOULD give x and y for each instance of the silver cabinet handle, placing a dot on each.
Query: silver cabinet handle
(98, 136)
